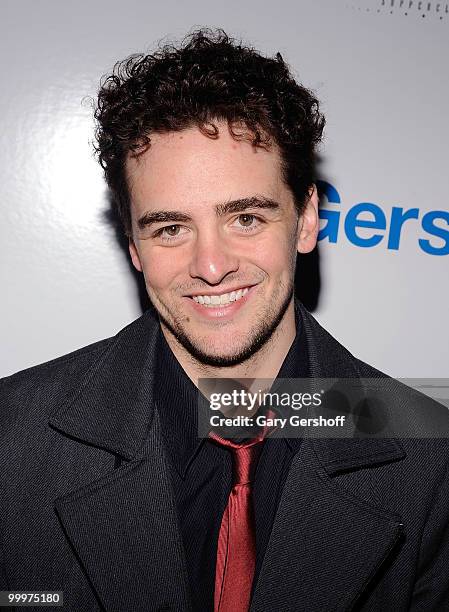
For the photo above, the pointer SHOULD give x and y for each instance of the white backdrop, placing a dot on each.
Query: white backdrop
(380, 69)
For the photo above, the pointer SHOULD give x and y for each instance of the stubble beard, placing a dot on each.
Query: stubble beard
(260, 336)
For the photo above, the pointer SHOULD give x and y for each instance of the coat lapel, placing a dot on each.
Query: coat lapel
(326, 545)
(125, 533)
(123, 527)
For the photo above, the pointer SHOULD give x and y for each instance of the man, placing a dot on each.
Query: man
(110, 495)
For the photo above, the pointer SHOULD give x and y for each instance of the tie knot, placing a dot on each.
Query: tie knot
(245, 462)
(244, 455)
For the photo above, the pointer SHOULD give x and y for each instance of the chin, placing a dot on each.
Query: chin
(220, 359)
(209, 350)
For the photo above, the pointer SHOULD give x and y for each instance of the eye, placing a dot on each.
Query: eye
(172, 230)
(170, 233)
(247, 223)
(246, 220)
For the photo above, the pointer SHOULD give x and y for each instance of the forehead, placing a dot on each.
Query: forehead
(188, 168)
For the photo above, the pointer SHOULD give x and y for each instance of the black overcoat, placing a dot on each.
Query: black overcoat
(87, 508)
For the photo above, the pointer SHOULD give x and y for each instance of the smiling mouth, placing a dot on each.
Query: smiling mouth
(220, 299)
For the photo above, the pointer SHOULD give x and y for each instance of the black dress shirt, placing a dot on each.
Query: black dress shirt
(201, 471)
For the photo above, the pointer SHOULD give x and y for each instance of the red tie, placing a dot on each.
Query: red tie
(236, 551)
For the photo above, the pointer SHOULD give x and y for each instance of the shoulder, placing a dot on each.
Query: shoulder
(39, 387)
(77, 362)
(419, 423)
(59, 364)
(33, 394)
(390, 407)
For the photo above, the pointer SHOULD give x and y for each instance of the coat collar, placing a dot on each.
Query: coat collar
(113, 406)
(329, 359)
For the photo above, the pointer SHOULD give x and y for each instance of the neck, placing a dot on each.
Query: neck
(265, 364)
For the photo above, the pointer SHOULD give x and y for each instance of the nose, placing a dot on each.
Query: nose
(212, 258)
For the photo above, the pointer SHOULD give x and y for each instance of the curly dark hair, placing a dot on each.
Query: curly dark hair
(208, 77)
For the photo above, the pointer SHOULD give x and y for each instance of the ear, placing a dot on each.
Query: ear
(308, 224)
(134, 255)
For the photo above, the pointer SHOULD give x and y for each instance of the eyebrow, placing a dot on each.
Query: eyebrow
(233, 206)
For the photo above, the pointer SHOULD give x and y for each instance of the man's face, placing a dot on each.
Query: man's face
(215, 232)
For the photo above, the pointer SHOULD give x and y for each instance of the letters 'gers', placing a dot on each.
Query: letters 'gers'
(384, 228)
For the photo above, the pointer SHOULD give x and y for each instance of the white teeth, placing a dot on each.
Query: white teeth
(220, 300)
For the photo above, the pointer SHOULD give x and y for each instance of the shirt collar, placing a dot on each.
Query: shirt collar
(177, 398)
(296, 365)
